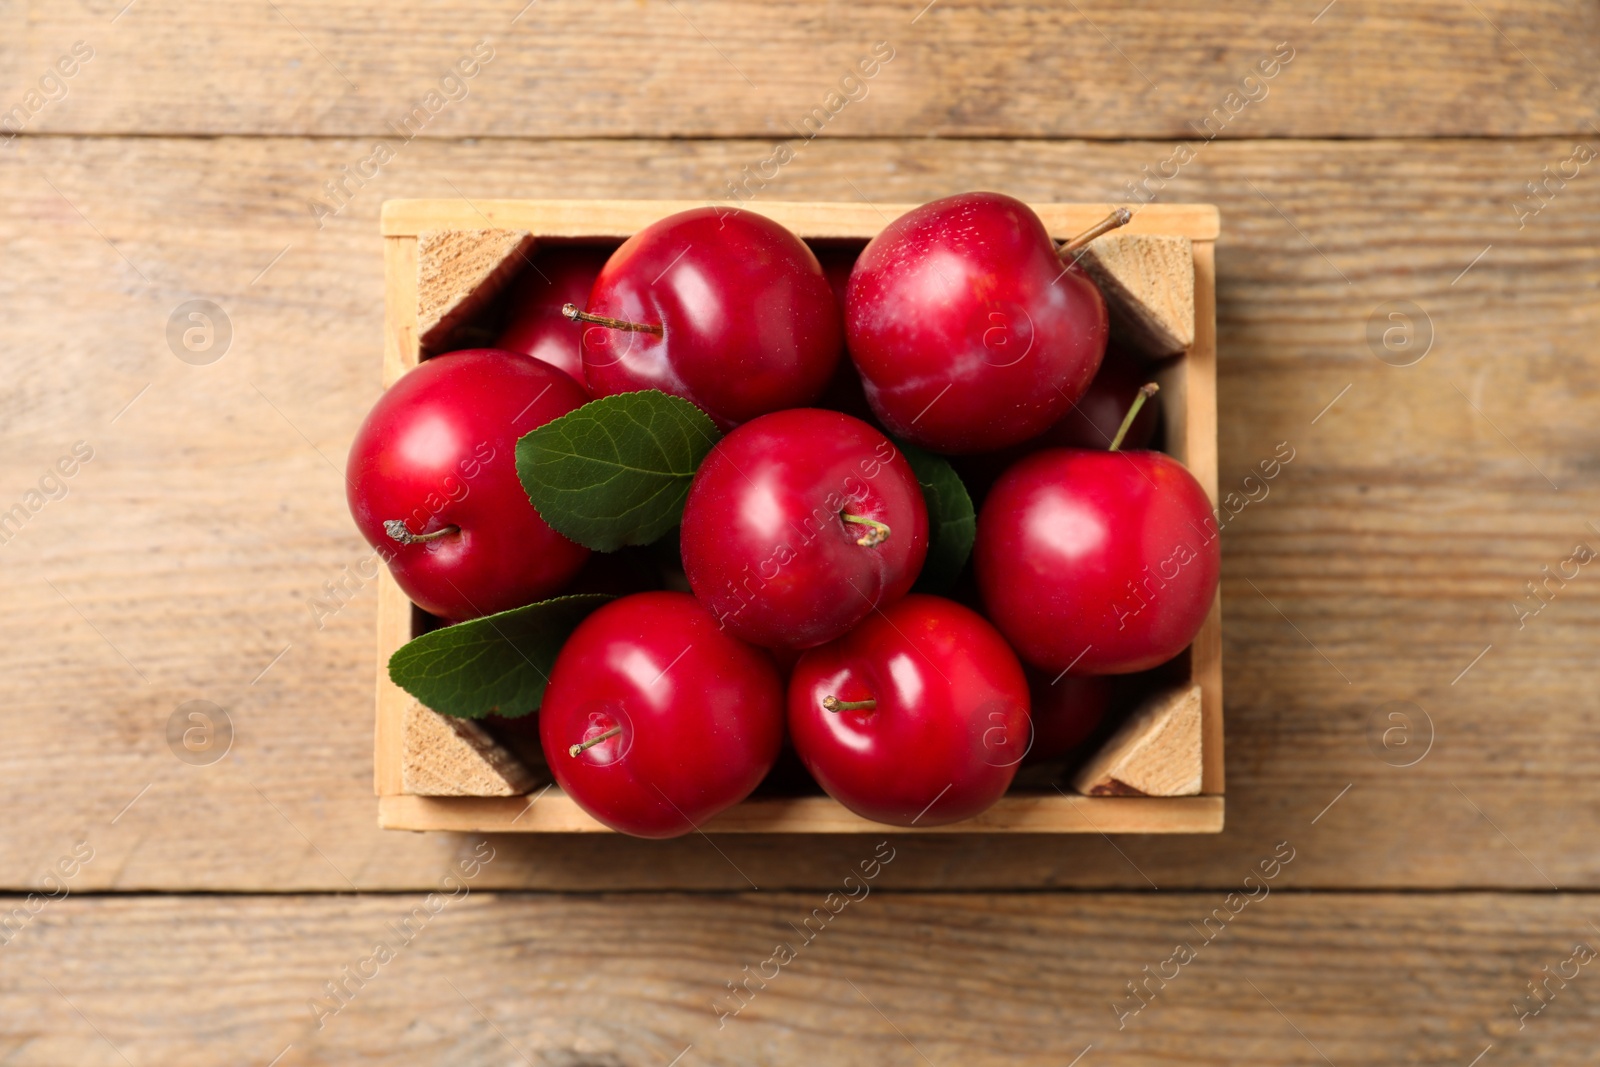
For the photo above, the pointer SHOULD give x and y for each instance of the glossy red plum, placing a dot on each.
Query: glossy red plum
(432, 483)
(680, 721)
(737, 316)
(932, 716)
(968, 329)
(1101, 562)
(798, 524)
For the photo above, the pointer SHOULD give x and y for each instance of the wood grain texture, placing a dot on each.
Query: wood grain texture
(1405, 705)
(907, 979)
(1155, 753)
(393, 624)
(450, 757)
(842, 218)
(1017, 812)
(1191, 429)
(401, 346)
(458, 273)
(189, 558)
(1148, 283)
(721, 68)
(391, 629)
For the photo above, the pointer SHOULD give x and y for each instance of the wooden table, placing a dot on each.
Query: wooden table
(1442, 861)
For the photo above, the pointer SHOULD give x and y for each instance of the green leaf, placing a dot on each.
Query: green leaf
(952, 523)
(617, 470)
(499, 663)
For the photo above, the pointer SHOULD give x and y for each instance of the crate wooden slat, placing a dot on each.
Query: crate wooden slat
(1026, 813)
(617, 219)
(1188, 399)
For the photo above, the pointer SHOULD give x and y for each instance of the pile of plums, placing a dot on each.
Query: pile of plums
(963, 329)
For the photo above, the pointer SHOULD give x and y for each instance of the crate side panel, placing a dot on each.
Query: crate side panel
(614, 219)
(1206, 656)
(554, 812)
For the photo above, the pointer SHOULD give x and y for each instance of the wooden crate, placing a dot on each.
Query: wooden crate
(1188, 399)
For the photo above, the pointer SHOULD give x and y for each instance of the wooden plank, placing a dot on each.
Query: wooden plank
(400, 354)
(204, 535)
(883, 978)
(393, 630)
(1189, 411)
(1199, 431)
(401, 348)
(450, 757)
(1155, 752)
(1015, 813)
(459, 274)
(617, 219)
(784, 69)
(1148, 283)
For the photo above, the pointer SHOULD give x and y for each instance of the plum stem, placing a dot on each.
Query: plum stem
(832, 703)
(571, 311)
(1146, 391)
(396, 528)
(877, 532)
(1117, 219)
(595, 740)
